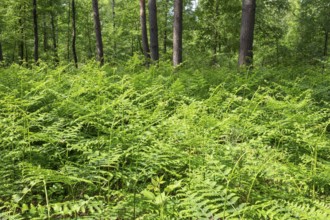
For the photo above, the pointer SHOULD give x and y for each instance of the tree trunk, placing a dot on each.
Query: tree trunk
(88, 33)
(14, 52)
(26, 50)
(246, 36)
(90, 48)
(177, 32)
(74, 34)
(44, 30)
(165, 27)
(97, 25)
(56, 59)
(277, 51)
(153, 30)
(1, 54)
(326, 39)
(68, 33)
(21, 41)
(143, 20)
(325, 51)
(35, 29)
(216, 33)
(114, 26)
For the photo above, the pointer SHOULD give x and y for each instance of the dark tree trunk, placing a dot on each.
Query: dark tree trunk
(246, 36)
(90, 48)
(1, 54)
(326, 39)
(165, 27)
(143, 20)
(88, 34)
(35, 29)
(21, 41)
(26, 50)
(216, 34)
(74, 34)
(215, 48)
(114, 25)
(177, 32)
(325, 49)
(56, 59)
(154, 48)
(13, 59)
(44, 30)
(97, 25)
(277, 51)
(68, 33)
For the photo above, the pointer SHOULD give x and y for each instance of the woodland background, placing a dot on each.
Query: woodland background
(95, 126)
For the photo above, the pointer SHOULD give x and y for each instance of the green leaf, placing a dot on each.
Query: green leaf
(25, 208)
(57, 208)
(160, 199)
(149, 195)
(33, 209)
(172, 187)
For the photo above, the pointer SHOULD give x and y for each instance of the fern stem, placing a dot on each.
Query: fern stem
(47, 202)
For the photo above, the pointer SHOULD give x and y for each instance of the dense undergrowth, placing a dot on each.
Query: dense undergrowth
(131, 143)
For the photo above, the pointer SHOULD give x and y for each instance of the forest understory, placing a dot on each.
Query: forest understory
(131, 142)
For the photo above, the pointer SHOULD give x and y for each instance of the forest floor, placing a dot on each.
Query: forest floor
(136, 143)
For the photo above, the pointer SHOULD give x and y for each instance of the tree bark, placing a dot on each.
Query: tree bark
(89, 31)
(326, 39)
(143, 20)
(21, 41)
(325, 49)
(216, 33)
(177, 32)
(74, 33)
(68, 32)
(246, 36)
(45, 35)
(153, 30)
(165, 27)
(14, 52)
(114, 25)
(1, 54)
(35, 29)
(56, 59)
(97, 25)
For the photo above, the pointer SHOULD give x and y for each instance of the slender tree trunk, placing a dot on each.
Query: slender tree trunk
(325, 51)
(44, 30)
(277, 52)
(132, 46)
(1, 53)
(68, 32)
(326, 39)
(177, 32)
(90, 50)
(216, 33)
(35, 28)
(143, 20)
(154, 48)
(215, 49)
(56, 59)
(74, 34)
(14, 52)
(114, 26)
(165, 27)
(247, 29)
(26, 50)
(97, 25)
(88, 34)
(21, 41)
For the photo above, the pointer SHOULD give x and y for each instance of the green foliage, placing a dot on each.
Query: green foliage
(136, 143)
